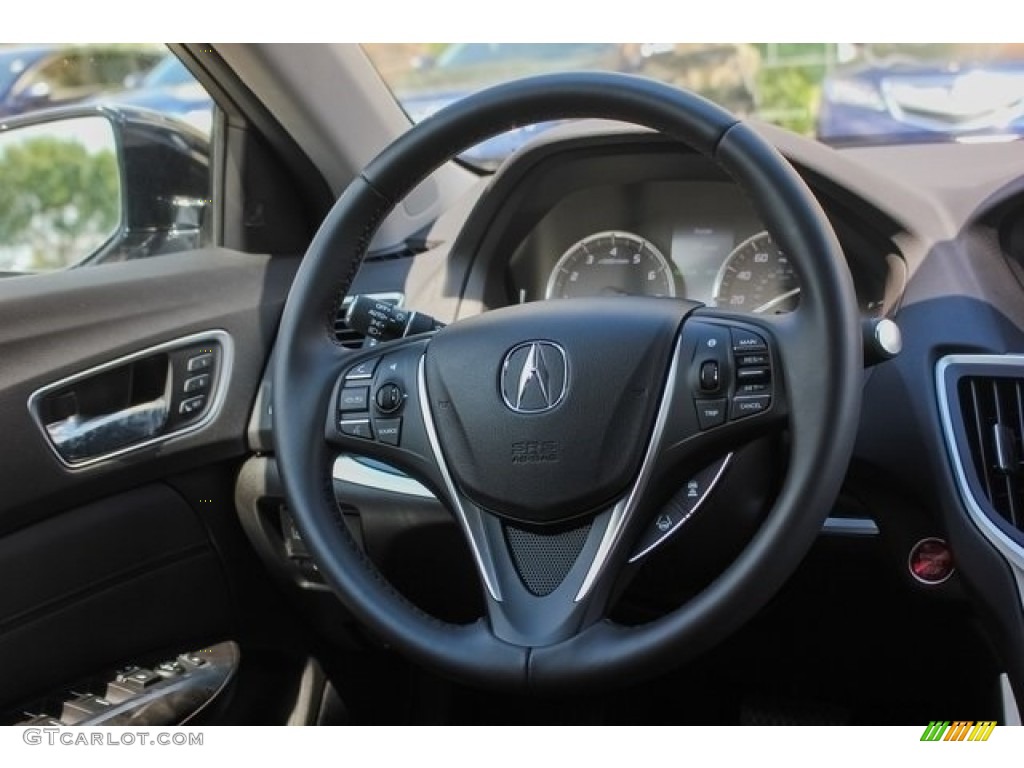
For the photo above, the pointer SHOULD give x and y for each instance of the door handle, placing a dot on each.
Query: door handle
(80, 438)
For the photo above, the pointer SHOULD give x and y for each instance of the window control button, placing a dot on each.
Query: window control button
(199, 362)
(138, 680)
(169, 669)
(84, 707)
(192, 405)
(196, 383)
(192, 659)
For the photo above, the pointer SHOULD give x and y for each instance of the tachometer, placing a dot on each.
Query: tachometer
(757, 277)
(609, 264)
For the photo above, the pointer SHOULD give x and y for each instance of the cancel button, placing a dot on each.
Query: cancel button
(749, 406)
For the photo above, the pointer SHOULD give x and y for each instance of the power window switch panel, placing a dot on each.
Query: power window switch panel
(84, 707)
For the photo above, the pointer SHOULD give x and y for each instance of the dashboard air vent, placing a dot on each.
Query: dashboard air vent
(993, 414)
(350, 338)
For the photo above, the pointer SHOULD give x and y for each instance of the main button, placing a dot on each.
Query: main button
(747, 341)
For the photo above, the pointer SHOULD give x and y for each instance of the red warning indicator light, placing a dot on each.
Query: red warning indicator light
(931, 561)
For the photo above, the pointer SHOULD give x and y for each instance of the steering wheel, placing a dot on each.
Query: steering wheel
(555, 431)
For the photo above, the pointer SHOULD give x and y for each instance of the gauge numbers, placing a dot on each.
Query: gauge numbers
(611, 263)
(757, 277)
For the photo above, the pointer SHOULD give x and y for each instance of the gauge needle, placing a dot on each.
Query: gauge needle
(777, 301)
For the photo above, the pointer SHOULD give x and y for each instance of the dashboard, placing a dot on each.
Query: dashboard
(644, 219)
(691, 240)
(932, 239)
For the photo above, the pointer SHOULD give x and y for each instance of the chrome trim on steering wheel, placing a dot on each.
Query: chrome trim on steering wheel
(626, 506)
(475, 541)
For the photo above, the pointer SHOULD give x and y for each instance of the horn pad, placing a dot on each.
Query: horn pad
(545, 410)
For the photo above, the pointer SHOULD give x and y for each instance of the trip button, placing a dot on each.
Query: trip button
(749, 406)
(710, 413)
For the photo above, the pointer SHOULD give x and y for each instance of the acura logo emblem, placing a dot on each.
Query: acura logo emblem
(534, 377)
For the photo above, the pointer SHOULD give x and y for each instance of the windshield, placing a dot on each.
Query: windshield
(14, 62)
(840, 93)
(168, 73)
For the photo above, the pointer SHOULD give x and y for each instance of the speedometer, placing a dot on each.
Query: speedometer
(611, 263)
(757, 277)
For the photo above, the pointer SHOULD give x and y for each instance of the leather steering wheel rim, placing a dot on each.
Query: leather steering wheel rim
(822, 370)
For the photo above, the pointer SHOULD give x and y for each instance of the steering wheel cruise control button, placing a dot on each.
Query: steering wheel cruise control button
(710, 413)
(747, 341)
(749, 406)
(354, 399)
(752, 375)
(755, 359)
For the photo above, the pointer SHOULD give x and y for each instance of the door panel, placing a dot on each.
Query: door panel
(102, 583)
(58, 325)
(109, 562)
